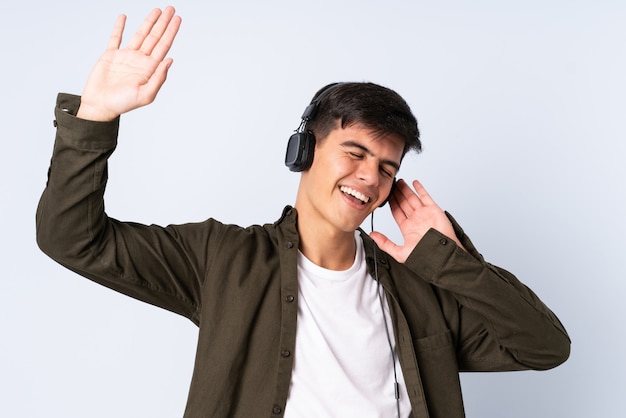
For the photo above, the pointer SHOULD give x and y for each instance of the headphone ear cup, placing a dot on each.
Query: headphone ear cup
(300, 149)
(393, 188)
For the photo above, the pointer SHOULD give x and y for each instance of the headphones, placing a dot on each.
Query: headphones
(301, 145)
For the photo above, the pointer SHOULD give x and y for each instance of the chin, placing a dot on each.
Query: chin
(353, 224)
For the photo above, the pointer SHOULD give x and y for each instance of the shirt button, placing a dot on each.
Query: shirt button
(277, 410)
(443, 241)
(290, 298)
(55, 123)
(285, 353)
(289, 244)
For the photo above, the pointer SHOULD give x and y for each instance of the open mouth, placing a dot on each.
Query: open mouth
(357, 195)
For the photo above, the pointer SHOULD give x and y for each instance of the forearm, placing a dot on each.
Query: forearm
(76, 181)
(495, 303)
(145, 262)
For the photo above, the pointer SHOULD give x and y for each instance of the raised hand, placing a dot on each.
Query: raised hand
(128, 78)
(415, 212)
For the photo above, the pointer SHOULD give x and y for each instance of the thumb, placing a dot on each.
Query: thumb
(384, 243)
(155, 82)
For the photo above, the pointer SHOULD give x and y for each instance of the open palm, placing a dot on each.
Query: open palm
(128, 78)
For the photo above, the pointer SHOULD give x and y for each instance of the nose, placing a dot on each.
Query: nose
(368, 172)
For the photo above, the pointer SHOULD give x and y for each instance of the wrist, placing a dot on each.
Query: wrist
(94, 113)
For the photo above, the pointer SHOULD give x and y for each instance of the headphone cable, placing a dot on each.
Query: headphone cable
(381, 298)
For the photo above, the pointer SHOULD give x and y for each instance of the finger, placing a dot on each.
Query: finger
(167, 39)
(406, 198)
(156, 33)
(396, 203)
(424, 196)
(116, 37)
(399, 215)
(402, 211)
(144, 30)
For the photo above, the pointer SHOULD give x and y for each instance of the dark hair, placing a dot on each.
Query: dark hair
(375, 107)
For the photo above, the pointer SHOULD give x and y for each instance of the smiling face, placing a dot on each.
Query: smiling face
(351, 175)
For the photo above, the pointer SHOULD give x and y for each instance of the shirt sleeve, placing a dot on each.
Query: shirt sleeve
(498, 323)
(150, 263)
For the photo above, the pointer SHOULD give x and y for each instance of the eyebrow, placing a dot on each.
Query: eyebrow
(370, 153)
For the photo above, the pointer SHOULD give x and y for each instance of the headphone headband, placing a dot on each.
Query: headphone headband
(311, 110)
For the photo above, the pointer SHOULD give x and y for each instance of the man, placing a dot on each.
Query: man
(308, 316)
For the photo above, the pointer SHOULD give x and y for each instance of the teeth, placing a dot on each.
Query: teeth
(356, 194)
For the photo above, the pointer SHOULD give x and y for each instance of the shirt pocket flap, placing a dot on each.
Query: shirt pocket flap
(433, 342)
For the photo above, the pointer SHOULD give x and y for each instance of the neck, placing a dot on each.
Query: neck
(333, 250)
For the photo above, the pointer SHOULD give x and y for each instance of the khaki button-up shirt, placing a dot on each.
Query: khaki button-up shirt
(451, 310)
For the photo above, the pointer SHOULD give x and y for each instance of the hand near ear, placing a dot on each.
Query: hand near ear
(415, 212)
(128, 78)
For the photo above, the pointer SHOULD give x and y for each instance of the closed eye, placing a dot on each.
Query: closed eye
(389, 168)
(387, 172)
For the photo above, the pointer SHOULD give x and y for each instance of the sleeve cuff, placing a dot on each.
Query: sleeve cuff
(81, 133)
(434, 250)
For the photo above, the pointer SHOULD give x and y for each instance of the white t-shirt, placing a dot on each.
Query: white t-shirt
(343, 366)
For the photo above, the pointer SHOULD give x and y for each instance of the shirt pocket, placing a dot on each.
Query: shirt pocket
(439, 372)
